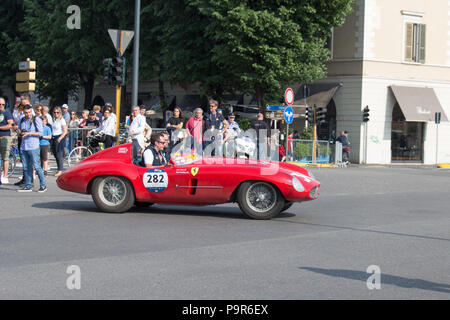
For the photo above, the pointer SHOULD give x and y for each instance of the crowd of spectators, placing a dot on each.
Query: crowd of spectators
(38, 131)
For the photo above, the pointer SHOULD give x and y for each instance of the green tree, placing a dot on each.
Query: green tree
(70, 59)
(264, 45)
(11, 16)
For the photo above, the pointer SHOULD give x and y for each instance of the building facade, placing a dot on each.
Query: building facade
(394, 57)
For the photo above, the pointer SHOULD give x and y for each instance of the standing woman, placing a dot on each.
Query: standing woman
(174, 123)
(59, 129)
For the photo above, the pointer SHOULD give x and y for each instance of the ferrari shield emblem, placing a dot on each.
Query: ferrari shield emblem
(194, 171)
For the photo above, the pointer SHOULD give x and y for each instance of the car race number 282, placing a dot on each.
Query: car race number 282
(156, 180)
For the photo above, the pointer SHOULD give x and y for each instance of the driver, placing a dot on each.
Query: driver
(153, 155)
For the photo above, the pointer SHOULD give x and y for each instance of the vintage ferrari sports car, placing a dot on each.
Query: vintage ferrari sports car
(262, 189)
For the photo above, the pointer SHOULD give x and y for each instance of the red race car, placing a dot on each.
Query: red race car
(263, 189)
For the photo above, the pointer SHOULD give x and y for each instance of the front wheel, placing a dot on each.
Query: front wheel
(113, 194)
(12, 163)
(78, 154)
(260, 200)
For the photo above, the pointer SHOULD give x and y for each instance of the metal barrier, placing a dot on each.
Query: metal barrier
(77, 136)
(325, 151)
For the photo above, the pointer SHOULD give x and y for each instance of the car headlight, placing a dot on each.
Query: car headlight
(297, 185)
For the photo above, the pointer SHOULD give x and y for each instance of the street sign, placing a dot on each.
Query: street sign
(121, 39)
(437, 118)
(275, 108)
(289, 115)
(289, 96)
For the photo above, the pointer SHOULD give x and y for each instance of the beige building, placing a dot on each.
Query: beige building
(393, 56)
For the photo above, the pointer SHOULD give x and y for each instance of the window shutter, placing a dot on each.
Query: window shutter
(409, 42)
(422, 43)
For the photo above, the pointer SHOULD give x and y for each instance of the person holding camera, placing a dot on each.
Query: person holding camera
(30, 130)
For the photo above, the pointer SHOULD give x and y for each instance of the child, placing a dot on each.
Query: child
(45, 144)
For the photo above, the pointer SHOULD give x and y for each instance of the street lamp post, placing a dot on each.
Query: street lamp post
(137, 22)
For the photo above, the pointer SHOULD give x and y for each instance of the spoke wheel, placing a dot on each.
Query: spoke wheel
(78, 154)
(113, 194)
(260, 200)
(261, 197)
(12, 163)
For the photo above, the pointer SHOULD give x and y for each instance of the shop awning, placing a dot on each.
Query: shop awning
(320, 94)
(418, 104)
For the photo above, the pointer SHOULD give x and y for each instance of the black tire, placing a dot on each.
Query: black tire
(269, 203)
(287, 206)
(143, 204)
(113, 194)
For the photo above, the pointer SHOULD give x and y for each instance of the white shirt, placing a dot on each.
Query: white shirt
(108, 126)
(57, 125)
(138, 125)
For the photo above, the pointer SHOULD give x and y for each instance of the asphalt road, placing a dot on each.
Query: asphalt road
(397, 219)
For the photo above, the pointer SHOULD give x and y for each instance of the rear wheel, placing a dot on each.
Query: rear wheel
(113, 194)
(260, 200)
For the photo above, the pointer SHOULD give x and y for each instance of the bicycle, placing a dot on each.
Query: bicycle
(82, 152)
(13, 158)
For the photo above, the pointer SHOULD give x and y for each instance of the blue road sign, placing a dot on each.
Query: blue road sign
(289, 115)
(275, 108)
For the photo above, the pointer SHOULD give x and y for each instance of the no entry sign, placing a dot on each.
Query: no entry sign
(289, 96)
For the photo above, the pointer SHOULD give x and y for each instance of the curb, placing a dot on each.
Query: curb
(444, 166)
(316, 165)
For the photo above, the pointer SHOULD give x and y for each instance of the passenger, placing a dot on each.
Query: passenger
(153, 156)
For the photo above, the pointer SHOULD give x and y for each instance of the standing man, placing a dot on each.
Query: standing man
(343, 138)
(66, 117)
(136, 132)
(30, 129)
(262, 132)
(65, 113)
(194, 129)
(231, 134)
(107, 129)
(18, 114)
(213, 123)
(45, 112)
(6, 123)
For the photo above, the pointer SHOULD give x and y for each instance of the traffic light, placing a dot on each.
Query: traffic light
(118, 71)
(366, 114)
(107, 71)
(321, 115)
(25, 79)
(309, 115)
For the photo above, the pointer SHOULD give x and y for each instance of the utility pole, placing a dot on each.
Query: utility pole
(137, 26)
